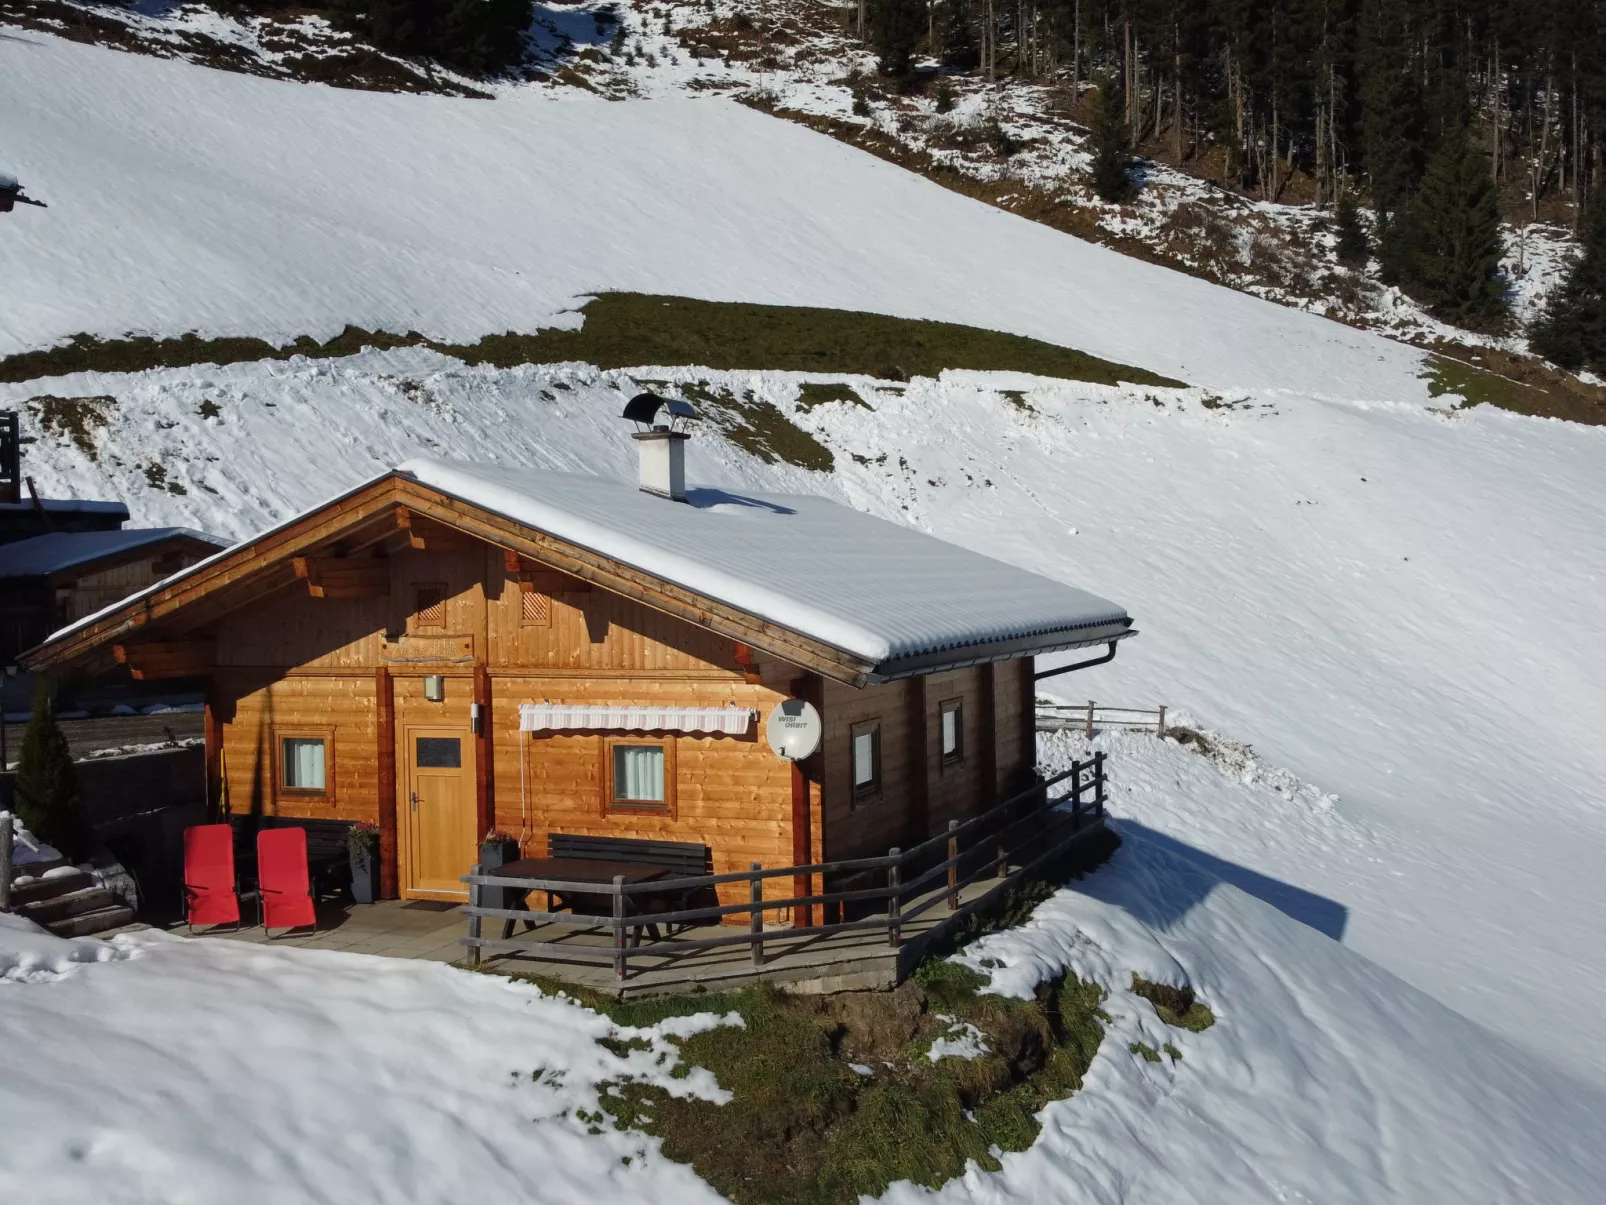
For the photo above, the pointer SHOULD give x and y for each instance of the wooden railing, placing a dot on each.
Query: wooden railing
(1089, 716)
(929, 875)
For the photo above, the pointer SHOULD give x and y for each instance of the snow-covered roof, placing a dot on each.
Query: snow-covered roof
(40, 556)
(869, 587)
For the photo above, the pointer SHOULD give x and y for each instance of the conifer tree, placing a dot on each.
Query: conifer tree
(1572, 329)
(896, 27)
(47, 798)
(1352, 248)
(1446, 244)
(1110, 173)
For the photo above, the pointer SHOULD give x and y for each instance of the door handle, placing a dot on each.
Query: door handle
(415, 800)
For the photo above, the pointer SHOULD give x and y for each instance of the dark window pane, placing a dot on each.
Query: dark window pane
(440, 752)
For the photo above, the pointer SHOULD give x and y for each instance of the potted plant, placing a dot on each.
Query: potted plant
(362, 845)
(497, 849)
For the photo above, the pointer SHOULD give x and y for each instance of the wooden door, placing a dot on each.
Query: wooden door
(439, 816)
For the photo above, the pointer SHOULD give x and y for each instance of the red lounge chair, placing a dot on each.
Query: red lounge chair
(210, 893)
(284, 886)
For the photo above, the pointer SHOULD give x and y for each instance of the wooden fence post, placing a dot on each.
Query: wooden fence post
(1076, 795)
(1098, 782)
(894, 907)
(755, 918)
(1090, 719)
(953, 867)
(1162, 721)
(474, 896)
(619, 927)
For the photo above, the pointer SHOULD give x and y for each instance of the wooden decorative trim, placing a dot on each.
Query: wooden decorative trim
(300, 732)
(535, 607)
(484, 752)
(160, 659)
(611, 807)
(385, 776)
(343, 577)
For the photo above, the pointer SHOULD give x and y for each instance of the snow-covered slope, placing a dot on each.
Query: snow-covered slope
(1398, 603)
(182, 198)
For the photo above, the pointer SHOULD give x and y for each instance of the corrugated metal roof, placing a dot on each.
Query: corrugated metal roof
(879, 590)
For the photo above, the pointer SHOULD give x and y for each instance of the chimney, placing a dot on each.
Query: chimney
(661, 446)
(10, 457)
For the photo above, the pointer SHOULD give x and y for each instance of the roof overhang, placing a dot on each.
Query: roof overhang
(244, 575)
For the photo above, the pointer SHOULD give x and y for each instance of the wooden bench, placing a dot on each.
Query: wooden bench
(328, 859)
(682, 859)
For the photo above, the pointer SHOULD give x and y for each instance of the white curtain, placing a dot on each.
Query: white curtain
(638, 772)
(303, 764)
(864, 759)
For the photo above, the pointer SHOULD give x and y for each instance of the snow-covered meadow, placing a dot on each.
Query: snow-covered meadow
(1395, 600)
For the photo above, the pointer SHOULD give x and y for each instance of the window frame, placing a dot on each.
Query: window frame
(417, 617)
(956, 708)
(281, 788)
(871, 789)
(645, 807)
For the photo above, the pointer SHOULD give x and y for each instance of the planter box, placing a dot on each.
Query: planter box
(493, 856)
(365, 877)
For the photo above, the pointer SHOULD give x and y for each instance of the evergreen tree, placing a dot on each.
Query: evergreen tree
(896, 27)
(1572, 329)
(1352, 249)
(47, 798)
(1446, 245)
(1110, 173)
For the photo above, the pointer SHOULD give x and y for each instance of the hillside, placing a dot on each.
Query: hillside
(1392, 597)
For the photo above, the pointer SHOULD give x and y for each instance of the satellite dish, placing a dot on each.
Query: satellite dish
(793, 729)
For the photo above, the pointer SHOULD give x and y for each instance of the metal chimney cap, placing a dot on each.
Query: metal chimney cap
(644, 407)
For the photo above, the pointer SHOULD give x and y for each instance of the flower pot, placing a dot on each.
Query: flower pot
(364, 876)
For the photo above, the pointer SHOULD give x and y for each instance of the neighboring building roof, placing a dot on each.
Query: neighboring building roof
(61, 506)
(880, 590)
(41, 556)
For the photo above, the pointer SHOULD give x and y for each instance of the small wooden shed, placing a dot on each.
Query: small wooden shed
(455, 648)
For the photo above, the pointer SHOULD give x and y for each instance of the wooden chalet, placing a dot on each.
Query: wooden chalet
(451, 649)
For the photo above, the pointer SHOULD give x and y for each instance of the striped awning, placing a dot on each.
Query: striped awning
(547, 717)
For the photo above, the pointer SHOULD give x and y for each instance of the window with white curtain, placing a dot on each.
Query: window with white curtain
(638, 774)
(953, 731)
(866, 758)
(303, 764)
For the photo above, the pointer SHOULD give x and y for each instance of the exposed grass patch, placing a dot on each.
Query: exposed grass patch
(1017, 399)
(1176, 1006)
(622, 330)
(804, 1128)
(759, 427)
(1517, 383)
(1148, 1053)
(815, 393)
(156, 477)
(80, 419)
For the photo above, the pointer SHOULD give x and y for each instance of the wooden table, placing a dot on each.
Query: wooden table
(578, 870)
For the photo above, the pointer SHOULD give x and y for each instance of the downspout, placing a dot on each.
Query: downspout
(1066, 669)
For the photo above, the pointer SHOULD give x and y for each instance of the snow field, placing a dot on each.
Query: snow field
(187, 199)
(206, 1070)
